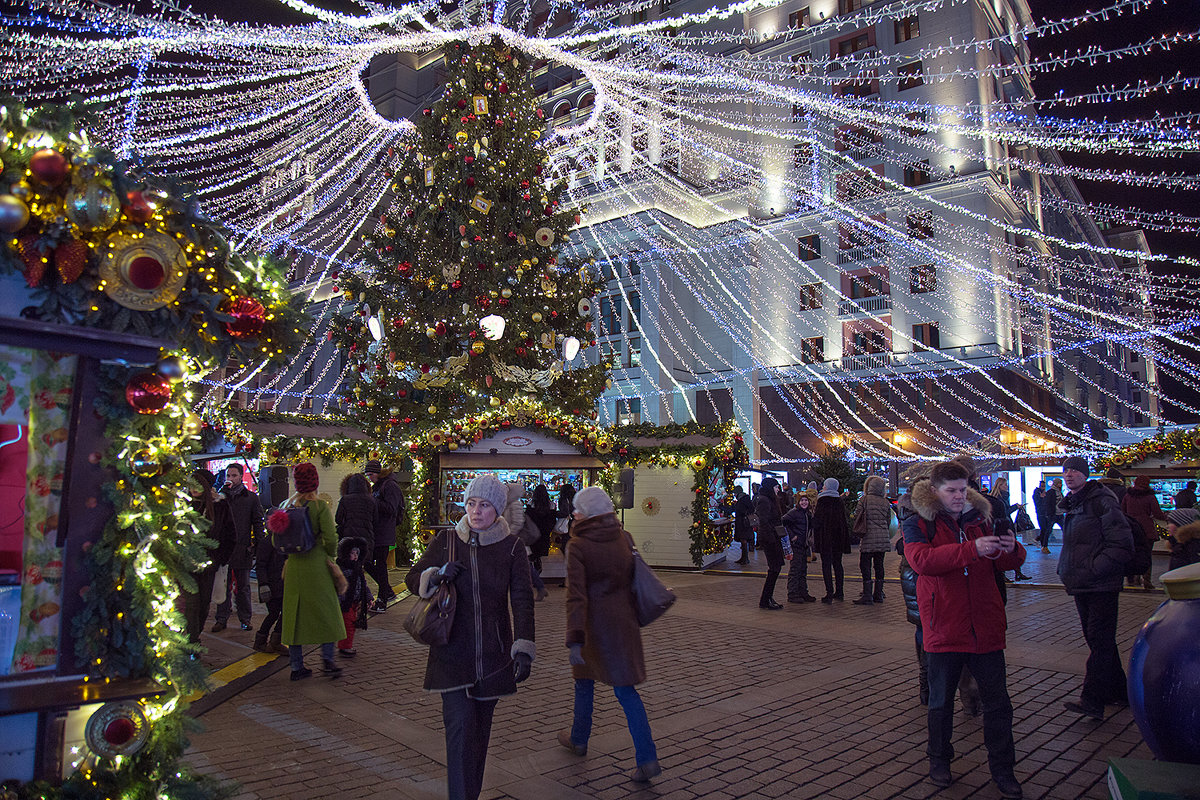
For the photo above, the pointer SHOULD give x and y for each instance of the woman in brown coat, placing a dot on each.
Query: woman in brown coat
(602, 628)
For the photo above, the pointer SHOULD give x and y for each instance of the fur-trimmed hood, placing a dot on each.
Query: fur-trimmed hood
(495, 533)
(874, 484)
(346, 544)
(1188, 532)
(926, 503)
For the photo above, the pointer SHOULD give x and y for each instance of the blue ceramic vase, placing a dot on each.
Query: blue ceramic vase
(1164, 671)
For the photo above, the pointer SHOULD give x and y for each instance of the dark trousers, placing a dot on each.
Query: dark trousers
(865, 562)
(797, 581)
(945, 671)
(831, 565)
(379, 572)
(774, 552)
(1104, 681)
(1044, 533)
(238, 586)
(274, 618)
(195, 606)
(468, 729)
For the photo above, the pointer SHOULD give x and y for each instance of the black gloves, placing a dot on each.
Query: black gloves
(522, 664)
(446, 574)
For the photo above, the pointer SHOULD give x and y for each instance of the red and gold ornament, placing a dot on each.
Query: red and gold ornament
(249, 317)
(148, 392)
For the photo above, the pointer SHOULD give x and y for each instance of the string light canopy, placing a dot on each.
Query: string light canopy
(703, 140)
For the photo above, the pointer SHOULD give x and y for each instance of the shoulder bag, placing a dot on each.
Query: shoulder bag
(430, 620)
(651, 597)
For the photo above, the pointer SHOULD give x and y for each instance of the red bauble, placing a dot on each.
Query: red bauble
(440, 329)
(469, 159)
(249, 316)
(136, 208)
(462, 103)
(549, 210)
(470, 180)
(503, 87)
(120, 731)
(427, 112)
(148, 392)
(520, 351)
(49, 166)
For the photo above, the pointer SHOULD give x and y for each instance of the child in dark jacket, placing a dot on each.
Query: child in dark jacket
(352, 554)
(269, 571)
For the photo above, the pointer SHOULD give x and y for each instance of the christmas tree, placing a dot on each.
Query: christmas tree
(835, 464)
(466, 299)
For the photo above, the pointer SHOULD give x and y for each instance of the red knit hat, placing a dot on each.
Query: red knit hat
(306, 478)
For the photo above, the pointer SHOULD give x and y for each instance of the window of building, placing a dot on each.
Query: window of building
(810, 296)
(1138, 419)
(664, 5)
(915, 116)
(610, 354)
(610, 313)
(633, 354)
(635, 267)
(861, 88)
(859, 184)
(910, 76)
(809, 247)
(920, 224)
(853, 44)
(854, 137)
(869, 342)
(869, 285)
(798, 19)
(1137, 397)
(922, 278)
(1135, 375)
(801, 64)
(925, 336)
(799, 112)
(812, 351)
(802, 154)
(917, 174)
(846, 6)
(638, 16)
(628, 410)
(635, 311)
(1133, 357)
(907, 28)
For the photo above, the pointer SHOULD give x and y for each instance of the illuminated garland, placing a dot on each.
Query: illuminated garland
(1177, 445)
(213, 303)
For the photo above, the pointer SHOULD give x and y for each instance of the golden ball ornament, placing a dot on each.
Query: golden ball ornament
(14, 214)
(432, 409)
(478, 347)
(144, 464)
(93, 207)
(494, 402)
(461, 137)
(506, 293)
(537, 316)
(408, 180)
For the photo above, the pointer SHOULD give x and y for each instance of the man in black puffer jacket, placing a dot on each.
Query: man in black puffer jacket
(1097, 544)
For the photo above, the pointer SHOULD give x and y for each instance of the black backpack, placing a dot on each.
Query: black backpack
(1143, 548)
(291, 530)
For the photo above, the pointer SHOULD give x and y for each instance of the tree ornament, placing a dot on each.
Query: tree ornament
(171, 368)
(136, 207)
(92, 206)
(584, 307)
(49, 166)
(544, 237)
(477, 347)
(144, 465)
(70, 259)
(143, 272)
(14, 214)
(147, 393)
(537, 316)
(249, 317)
(117, 729)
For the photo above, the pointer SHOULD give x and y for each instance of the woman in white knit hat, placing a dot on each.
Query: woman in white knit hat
(482, 661)
(603, 634)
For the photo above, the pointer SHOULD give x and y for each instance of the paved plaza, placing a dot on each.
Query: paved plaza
(812, 701)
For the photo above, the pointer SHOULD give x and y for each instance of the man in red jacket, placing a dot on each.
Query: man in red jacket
(950, 544)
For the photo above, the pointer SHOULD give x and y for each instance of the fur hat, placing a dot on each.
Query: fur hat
(1077, 463)
(306, 478)
(1183, 516)
(488, 487)
(593, 501)
(831, 488)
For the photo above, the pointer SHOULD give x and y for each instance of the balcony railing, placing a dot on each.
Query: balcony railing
(866, 361)
(869, 252)
(865, 305)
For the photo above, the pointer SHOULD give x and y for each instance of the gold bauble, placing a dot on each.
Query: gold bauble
(370, 402)
(408, 180)
(452, 446)
(143, 464)
(506, 293)
(430, 332)
(478, 347)
(462, 137)
(433, 409)
(537, 316)
(494, 402)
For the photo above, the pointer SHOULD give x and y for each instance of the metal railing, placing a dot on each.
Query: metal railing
(866, 361)
(865, 305)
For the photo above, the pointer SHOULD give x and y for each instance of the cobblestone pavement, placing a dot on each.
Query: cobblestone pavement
(812, 701)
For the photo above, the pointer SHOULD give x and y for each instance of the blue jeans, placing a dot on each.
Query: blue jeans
(944, 670)
(296, 655)
(635, 716)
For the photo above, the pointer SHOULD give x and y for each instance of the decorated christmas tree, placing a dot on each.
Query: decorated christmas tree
(466, 299)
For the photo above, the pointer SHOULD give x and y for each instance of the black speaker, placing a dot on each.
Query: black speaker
(625, 488)
(273, 486)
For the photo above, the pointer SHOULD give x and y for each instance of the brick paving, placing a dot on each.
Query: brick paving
(812, 701)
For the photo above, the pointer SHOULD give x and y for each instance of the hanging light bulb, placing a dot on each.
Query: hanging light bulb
(570, 348)
(493, 326)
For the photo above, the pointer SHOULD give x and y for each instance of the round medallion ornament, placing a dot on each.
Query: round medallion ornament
(651, 506)
(93, 207)
(584, 307)
(544, 237)
(148, 393)
(249, 316)
(117, 729)
(143, 272)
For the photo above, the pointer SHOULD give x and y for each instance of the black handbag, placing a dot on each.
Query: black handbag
(651, 597)
(430, 620)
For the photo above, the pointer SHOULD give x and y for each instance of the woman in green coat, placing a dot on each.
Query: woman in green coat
(311, 614)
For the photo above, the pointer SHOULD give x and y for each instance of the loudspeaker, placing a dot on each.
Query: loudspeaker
(625, 488)
(273, 486)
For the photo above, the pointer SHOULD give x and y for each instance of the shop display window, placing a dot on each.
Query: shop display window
(454, 484)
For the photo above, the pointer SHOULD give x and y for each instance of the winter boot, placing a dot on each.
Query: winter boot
(260, 642)
(274, 645)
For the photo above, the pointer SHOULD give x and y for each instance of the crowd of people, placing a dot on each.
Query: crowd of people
(955, 544)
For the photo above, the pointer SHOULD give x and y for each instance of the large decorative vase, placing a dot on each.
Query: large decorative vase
(1164, 671)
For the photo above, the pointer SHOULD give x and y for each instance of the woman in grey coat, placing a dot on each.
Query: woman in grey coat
(873, 517)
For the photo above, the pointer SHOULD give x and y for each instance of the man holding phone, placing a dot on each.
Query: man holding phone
(951, 545)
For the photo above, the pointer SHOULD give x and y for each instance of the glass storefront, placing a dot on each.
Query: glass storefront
(454, 483)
